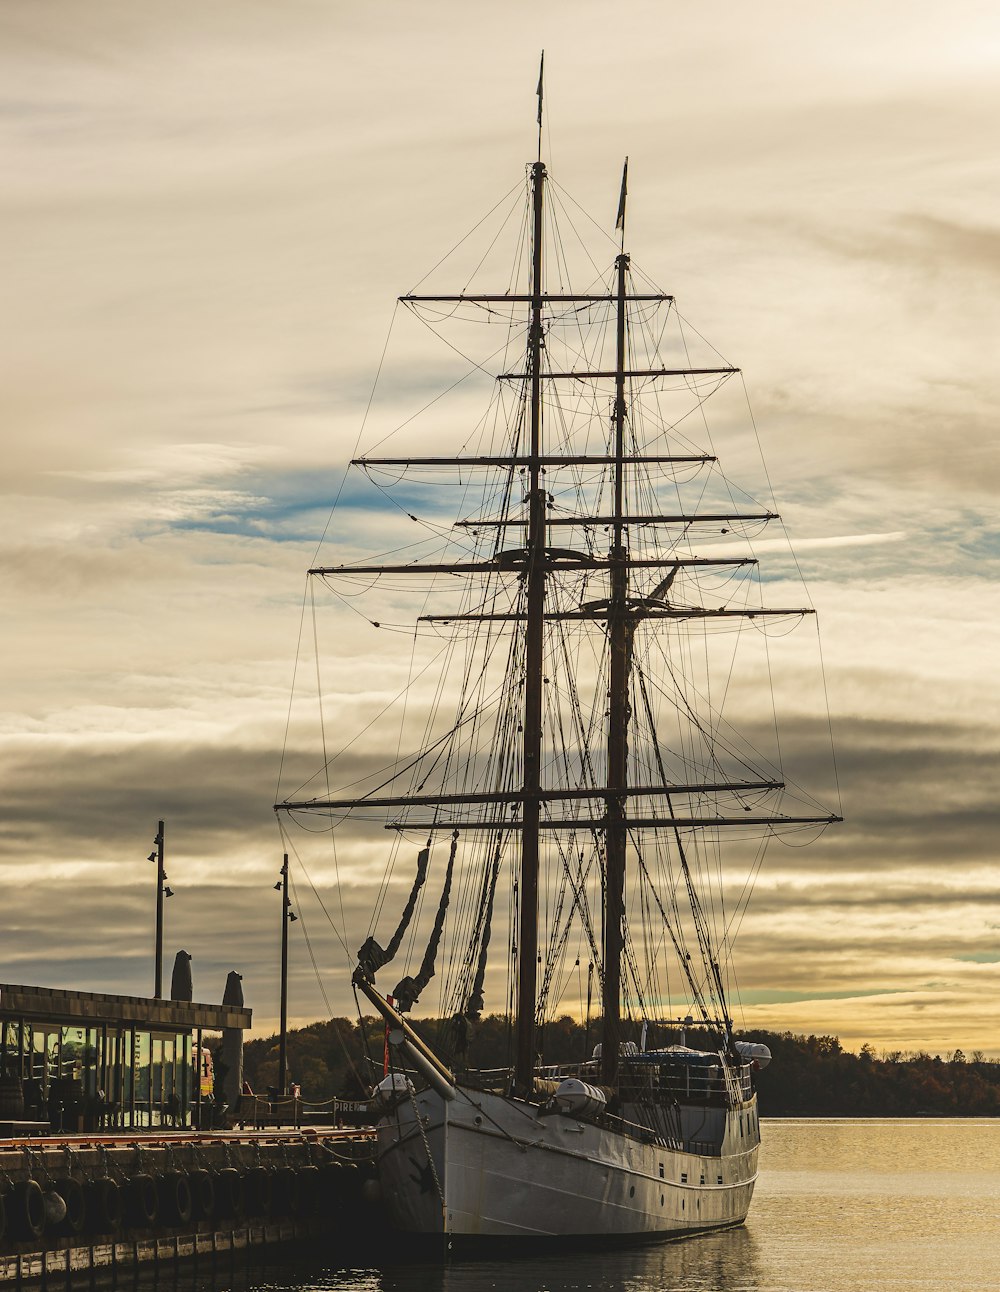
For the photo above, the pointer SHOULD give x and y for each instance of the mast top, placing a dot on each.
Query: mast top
(620, 222)
(541, 77)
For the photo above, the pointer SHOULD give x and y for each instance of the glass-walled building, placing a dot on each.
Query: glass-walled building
(89, 1061)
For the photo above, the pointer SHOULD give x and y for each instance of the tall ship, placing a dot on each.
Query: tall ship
(573, 583)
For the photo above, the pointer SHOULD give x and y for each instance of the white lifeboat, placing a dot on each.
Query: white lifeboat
(579, 1098)
(753, 1052)
(393, 1083)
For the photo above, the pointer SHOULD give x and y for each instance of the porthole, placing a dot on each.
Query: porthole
(631, 1192)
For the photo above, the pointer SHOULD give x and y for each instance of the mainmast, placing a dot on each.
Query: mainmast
(527, 938)
(620, 633)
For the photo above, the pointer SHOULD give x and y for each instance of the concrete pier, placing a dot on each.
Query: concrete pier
(79, 1206)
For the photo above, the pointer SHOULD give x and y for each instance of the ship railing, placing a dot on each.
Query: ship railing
(660, 1082)
(499, 1078)
(746, 1082)
(557, 1070)
(670, 1083)
(703, 1147)
(739, 1084)
(487, 1079)
(667, 1082)
(636, 1130)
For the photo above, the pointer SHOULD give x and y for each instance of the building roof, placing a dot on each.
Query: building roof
(55, 1005)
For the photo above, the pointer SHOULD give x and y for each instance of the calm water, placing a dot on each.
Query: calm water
(841, 1206)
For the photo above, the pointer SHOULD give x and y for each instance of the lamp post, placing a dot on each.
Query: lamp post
(162, 891)
(287, 917)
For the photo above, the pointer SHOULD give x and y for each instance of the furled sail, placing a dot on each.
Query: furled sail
(371, 957)
(407, 990)
(476, 1001)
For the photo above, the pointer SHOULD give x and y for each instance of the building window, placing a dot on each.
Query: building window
(156, 1081)
(168, 1052)
(119, 1077)
(87, 1078)
(10, 1050)
(142, 1057)
(184, 1079)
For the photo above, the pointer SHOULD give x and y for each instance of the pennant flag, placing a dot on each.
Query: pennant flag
(541, 73)
(620, 222)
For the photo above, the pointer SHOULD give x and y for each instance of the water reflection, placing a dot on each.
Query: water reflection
(725, 1262)
(844, 1206)
(718, 1261)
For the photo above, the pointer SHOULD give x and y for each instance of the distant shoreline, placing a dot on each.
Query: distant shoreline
(878, 1117)
(807, 1077)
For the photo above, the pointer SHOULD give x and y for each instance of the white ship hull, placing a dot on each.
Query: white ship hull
(500, 1167)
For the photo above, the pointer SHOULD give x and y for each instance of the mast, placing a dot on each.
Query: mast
(620, 632)
(527, 938)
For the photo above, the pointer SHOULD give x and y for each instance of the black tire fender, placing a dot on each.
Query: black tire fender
(202, 1186)
(104, 1204)
(229, 1193)
(26, 1209)
(310, 1189)
(143, 1203)
(285, 1191)
(259, 1190)
(174, 1191)
(71, 1192)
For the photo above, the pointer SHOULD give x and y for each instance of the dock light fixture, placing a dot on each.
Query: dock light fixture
(151, 857)
(168, 892)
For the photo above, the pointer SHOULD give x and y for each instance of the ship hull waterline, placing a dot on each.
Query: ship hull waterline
(482, 1166)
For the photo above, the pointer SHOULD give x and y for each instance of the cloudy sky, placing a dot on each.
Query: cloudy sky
(206, 214)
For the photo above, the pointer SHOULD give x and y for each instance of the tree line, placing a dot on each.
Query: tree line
(808, 1075)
